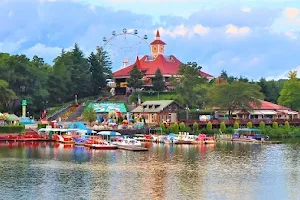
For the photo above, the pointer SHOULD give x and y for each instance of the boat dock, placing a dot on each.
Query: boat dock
(132, 148)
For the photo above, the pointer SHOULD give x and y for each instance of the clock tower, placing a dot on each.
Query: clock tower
(157, 46)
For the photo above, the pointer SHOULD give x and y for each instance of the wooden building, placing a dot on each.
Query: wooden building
(155, 112)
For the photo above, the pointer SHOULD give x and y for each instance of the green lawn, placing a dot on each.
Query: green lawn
(164, 96)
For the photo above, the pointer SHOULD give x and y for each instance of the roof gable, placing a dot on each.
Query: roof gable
(154, 106)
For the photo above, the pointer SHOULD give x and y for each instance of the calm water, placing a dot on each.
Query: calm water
(223, 171)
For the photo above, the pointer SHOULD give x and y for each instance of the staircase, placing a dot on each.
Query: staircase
(58, 113)
(75, 114)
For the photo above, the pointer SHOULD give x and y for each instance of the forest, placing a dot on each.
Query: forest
(73, 73)
(44, 85)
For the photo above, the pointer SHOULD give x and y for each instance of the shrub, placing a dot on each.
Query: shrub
(182, 126)
(176, 127)
(209, 126)
(12, 129)
(195, 127)
(262, 125)
(249, 124)
(236, 125)
(287, 125)
(162, 126)
(188, 129)
(223, 127)
(274, 125)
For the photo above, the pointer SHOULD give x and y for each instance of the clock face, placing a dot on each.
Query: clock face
(161, 48)
(154, 49)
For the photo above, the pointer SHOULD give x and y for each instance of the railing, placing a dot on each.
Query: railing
(243, 121)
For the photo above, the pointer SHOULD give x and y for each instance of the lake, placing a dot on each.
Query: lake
(223, 171)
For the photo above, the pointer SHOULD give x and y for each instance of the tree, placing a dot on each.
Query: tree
(249, 124)
(262, 125)
(287, 125)
(89, 115)
(290, 93)
(105, 62)
(98, 78)
(195, 127)
(236, 125)
(209, 127)
(223, 127)
(135, 80)
(274, 125)
(190, 86)
(235, 96)
(176, 127)
(182, 126)
(6, 93)
(158, 81)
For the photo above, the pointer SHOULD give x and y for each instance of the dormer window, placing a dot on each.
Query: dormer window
(156, 106)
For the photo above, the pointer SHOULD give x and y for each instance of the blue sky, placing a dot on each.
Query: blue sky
(252, 38)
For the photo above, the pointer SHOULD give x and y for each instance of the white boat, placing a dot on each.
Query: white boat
(128, 142)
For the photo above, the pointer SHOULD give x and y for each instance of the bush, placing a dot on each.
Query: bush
(42, 126)
(188, 129)
(12, 129)
(262, 125)
(287, 125)
(195, 127)
(162, 126)
(249, 124)
(275, 125)
(182, 126)
(223, 127)
(176, 127)
(236, 125)
(209, 126)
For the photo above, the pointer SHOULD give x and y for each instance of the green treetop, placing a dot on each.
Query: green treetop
(158, 81)
(135, 81)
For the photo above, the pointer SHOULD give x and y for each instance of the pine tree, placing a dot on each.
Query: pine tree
(105, 62)
(135, 81)
(98, 77)
(158, 81)
(80, 73)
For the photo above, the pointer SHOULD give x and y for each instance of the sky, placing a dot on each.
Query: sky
(250, 38)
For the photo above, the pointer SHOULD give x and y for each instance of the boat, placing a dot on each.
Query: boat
(247, 135)
(57, 134)
(185, 138)
(128, 142)
(204, 139)
(81, 136)
(102, 144)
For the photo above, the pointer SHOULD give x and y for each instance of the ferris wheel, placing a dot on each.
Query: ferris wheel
(124, 47)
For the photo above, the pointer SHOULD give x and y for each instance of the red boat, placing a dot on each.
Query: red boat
(99, 144)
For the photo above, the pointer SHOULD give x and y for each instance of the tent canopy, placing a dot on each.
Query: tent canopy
(11, 117)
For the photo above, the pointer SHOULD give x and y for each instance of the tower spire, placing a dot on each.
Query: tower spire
(157, 35)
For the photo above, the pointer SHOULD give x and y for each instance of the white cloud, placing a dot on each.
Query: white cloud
(183, 30)
(201, 30)
(238, 31)
(291, 13)
(11, 46)
(285, 74)
(292, 34)
(246, 10)
(42, 51)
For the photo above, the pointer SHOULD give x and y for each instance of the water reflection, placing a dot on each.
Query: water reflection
(223, 171)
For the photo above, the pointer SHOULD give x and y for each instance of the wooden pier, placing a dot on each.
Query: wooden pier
(132, 148)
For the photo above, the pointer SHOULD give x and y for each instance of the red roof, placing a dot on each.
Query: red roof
(168, 65)
(265, 105)
(157, 42)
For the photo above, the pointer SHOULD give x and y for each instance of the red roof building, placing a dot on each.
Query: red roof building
(148, 64)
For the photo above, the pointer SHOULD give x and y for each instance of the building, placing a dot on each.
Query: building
(267, 110)
(155, 112)
(148, 64)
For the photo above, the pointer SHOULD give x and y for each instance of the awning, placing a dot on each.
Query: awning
(256, 112)
(268, 112)
(293, 113)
